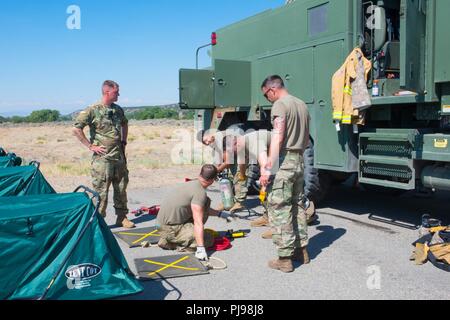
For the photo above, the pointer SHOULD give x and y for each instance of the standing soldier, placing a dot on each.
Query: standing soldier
(108, 139)
(290, 137)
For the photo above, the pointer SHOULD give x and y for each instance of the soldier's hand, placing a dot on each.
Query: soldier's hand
(100, 150)
(201, 254)
(264, 180)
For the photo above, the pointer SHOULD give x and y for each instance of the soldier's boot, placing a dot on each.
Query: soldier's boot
(301, 255)
(284, 264)
(311, 214)
(220, 207)
(237, 207)
(267, 234)
(260, 222)
(163, 244)
(124, 222)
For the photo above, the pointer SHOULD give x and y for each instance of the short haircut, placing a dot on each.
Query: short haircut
(209, 172)
(110, 84)
(200, 135)
(274, 81)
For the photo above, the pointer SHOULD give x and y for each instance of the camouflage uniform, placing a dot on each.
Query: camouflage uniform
(287, 219)
(240, 187)
(105, 124)
(182, 236)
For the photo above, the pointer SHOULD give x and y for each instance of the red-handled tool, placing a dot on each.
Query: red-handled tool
(153, 211)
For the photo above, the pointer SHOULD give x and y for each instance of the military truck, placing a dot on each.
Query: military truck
(404, 144)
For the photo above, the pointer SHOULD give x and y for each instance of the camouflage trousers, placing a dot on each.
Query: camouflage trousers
(240, 187)
(182, 236)
(287, 219)
(104, 173)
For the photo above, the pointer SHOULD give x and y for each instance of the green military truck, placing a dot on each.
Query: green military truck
(404, 144)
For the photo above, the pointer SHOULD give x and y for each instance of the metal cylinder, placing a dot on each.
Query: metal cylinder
(226, 189)
(436, 177)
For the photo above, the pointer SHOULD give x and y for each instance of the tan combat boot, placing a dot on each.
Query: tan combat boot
(311, 215)
(282, 264)
(124, 222)
(220, 207)
(163, 244)
(260, 222)
(267, 234)
(237, 207)
(301, 255)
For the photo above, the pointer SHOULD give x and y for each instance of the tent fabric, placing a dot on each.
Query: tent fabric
(37, 234)
(23, 181)
(10, 160)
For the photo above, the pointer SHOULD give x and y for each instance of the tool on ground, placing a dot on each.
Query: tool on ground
(231, 234)
(153, 211)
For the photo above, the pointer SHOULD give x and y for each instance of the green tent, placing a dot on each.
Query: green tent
(57, 246)
(23, 181)
(10, 160)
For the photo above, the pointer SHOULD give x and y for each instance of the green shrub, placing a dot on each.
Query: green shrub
(45, 115)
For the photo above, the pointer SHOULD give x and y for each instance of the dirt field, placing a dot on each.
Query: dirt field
(66, 163)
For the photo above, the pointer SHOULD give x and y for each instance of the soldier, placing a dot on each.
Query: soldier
(183, 215)
(108, 139)
(224, 161)
(290, 137)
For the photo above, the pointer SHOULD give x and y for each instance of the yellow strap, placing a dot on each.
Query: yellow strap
(165, 264)
(348, 90)
(168, 266)
(337, 115)
(132, 234)
(437, 229)
(146, 236)
(347, 119)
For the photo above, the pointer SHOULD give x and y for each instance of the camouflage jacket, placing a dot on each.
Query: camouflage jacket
(105, 124)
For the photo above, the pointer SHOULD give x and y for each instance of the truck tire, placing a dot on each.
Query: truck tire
(317, 182)
(253, 180)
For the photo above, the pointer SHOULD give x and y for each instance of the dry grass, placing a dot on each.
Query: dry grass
(66, 163)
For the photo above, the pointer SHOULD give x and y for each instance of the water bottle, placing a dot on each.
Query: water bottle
(375, 89)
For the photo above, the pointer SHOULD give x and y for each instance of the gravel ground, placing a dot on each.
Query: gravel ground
(353, 257)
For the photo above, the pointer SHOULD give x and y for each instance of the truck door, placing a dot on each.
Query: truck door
(196, 89)
(232, 83)
(412, 45)
(329, 145)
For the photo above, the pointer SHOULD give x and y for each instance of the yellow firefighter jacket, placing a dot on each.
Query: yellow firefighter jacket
(343, 110)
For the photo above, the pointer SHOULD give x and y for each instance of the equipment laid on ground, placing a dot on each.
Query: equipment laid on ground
(57, 246)
(153, 211)
(226, 190)
(10, 160)
(433, 244)
(2, 152)
(23, 181)
(169, 267)
(136, 238)
(231, 234)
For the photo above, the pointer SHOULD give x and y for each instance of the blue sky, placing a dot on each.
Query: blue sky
(141, 44)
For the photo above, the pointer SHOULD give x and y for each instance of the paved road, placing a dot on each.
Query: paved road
(353, 257)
